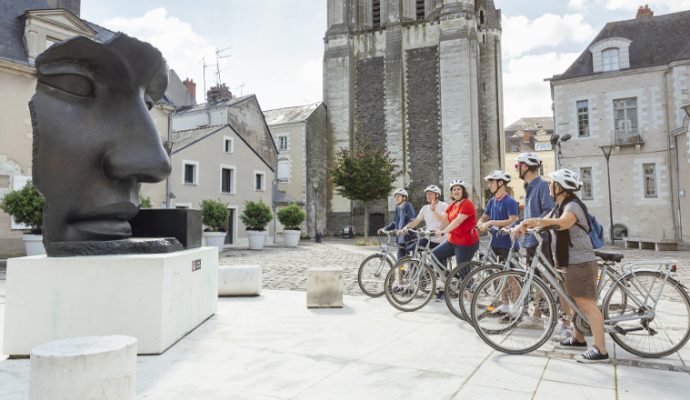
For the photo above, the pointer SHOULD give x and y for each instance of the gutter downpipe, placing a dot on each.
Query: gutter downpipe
(674, 211)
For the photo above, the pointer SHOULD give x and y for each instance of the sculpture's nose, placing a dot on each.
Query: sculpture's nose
(137, 152)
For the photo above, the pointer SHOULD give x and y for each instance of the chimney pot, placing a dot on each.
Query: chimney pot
(644, 11)
(191, 88)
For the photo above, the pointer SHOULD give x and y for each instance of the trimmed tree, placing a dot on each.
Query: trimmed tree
(365, 173)
(26, 206)
(214, 215)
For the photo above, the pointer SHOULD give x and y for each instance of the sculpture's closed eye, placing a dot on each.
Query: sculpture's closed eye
(76, 85)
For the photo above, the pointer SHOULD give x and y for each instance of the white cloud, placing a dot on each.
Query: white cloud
(577, 5)
(520, 35)
(656, 5)
(525, 93)
(180, 45)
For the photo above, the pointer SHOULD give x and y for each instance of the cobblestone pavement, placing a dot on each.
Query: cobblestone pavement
(285, 268)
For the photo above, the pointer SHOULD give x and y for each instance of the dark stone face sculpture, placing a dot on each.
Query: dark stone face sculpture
(94, 140)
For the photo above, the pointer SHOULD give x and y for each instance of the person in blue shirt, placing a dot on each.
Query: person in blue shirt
(404, 214)
(501, 211)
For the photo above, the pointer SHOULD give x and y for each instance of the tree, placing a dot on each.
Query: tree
(364, 173)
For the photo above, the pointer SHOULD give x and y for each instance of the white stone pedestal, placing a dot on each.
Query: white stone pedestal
(156, 298)
(324, 288)
(93, 367)
(239, 280)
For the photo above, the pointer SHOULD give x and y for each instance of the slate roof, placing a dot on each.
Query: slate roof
(287, 115)
(12, 28)
(182, 139)
(657, 40)
(531, 124)
(205, 106)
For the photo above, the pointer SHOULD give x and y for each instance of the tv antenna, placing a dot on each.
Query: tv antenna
(219, 56)
(204, 66)
(240, 87)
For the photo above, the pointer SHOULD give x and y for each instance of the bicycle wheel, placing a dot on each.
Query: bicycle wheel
(372, 274)
(469, 285)
(409, 285)
(515, 332)
(660, 335)
(452, 286)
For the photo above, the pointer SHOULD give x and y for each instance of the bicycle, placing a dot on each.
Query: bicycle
(373, 269)
(413, 279)
(635, 306)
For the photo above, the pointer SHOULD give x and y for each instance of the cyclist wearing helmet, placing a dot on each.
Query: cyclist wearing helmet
(574, 254)
(461, 217)
(430, 214)
(404, 213)
(538, 202)
(501, 211)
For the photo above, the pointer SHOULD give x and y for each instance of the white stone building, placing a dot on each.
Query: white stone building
(300, 135)
(421, 78)
(223, 150)
(627, 90)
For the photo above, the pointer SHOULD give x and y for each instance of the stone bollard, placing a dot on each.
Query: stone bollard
(91, 367)
(324, 288)
(239, 280)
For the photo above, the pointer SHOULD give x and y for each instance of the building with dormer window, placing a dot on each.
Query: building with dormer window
(627, 92)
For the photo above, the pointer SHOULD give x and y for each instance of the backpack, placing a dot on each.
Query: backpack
(595, 231)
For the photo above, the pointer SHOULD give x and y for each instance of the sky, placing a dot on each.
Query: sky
(274, 48)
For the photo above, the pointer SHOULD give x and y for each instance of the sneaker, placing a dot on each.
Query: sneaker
(563, 333)
(501, 310)
(439, 295)
(531, 323)
(571, 343)
(593, 355)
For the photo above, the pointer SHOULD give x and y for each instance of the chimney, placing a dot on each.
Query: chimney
(191, 88)
(218, 93)
(73, 6)
(643, 12)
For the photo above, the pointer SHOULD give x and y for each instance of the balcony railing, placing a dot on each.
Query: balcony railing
(628, 140)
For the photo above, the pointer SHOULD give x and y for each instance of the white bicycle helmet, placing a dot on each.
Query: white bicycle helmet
(498, 176)
(457, 182)
(433, 189)
(529, 159)
(402, 192)
(568, 179)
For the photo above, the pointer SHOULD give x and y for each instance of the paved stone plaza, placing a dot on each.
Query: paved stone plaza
(273, 347)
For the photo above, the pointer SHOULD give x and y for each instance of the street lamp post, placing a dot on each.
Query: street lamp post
(168, 148)
(556, 141)
(606, 150)
(317, 236)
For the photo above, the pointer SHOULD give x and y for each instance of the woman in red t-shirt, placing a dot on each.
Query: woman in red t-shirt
(461, 217)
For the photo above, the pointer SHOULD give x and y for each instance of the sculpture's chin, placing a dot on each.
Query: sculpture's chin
(101, 229)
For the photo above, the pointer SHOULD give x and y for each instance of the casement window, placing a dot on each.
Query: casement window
(610, 59)
(586, 176)
(259, 181)
(227, 180)
(582, 118)
(190, 173)
(649, 173)
(625, 121)
(228, 145)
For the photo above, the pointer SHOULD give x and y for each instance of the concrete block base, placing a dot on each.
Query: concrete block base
(324, 288)
(93, 367)
(156, 298)
(239, 280)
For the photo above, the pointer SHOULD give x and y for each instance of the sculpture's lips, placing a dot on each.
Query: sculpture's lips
(107, 222)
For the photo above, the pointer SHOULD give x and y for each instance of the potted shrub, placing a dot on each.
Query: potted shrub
(291, 217)
(26, 206)
(255, 217)
(214, 215)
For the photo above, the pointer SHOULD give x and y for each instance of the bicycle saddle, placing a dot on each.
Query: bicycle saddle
(615, 257)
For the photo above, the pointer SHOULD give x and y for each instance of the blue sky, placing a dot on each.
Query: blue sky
(276, 46)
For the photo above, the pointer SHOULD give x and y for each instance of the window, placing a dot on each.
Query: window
(259, 181)
(282, 143)
(582, 118)
(610, 59)
(376, 13)
(481, 17)
(649, 171)
(420, 9)
(283, 170)
(586, 176)
(625, 120)
(542, 146)
(190, 172)
(227, 145)
(227, 180)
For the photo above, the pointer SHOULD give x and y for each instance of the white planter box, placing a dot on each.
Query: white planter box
(291, 238)
(215, 239)
(34, 245)
(256, 239)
